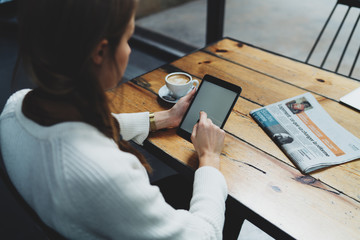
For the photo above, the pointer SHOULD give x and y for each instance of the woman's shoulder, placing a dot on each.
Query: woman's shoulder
(13, 100)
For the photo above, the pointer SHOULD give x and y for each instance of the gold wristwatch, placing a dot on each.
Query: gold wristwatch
(152, 122)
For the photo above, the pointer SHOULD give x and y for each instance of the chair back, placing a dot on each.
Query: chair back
(350, 3)
(343, 25)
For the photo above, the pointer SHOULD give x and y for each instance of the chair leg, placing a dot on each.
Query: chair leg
(234, 219)
(347, 44)
(334, 39)
(320, 34)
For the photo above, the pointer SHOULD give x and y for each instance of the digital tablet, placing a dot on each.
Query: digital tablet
(215, 97)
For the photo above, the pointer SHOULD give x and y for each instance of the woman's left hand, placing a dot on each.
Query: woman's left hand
(171, 118)
(178, 110)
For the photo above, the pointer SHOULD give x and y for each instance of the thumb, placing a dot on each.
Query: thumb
(190, 95)
(193, 134)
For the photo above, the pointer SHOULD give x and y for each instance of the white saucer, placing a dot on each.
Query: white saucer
(165, 94)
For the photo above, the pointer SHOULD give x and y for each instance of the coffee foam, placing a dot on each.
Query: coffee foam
(178, 79)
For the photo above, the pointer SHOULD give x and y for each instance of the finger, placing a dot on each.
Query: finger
(222, 132)
(190, 95)
(203, 116)
(192, 92)
(195, 128)
(193, 134)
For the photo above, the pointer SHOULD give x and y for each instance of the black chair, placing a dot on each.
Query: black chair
(47, 232)
(347, 6)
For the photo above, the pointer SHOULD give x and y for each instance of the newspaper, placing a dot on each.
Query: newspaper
(307, 134)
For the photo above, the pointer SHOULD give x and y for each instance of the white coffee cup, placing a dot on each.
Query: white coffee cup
(179, 83)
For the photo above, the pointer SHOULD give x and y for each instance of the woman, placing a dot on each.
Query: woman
(62, 147)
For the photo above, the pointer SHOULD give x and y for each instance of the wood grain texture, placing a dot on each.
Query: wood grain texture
(293, 72)
(322, 205)
(262, 89)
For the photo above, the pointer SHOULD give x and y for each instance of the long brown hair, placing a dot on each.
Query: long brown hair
(56, 39)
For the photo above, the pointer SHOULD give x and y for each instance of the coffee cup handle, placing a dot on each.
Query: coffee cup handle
(196, 83)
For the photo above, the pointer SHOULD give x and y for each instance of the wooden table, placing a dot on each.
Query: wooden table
(322, 205)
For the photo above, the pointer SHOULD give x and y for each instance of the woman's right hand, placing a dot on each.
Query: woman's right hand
(208, 140)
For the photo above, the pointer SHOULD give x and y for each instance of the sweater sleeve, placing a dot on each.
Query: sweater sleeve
(134, 126)
(210, 192)
(114, 199)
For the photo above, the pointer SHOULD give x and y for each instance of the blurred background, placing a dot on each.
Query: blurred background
(285, 27)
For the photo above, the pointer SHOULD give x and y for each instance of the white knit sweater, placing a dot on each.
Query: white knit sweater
(82, 185)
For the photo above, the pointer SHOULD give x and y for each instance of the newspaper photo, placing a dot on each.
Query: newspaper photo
(307, 134)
